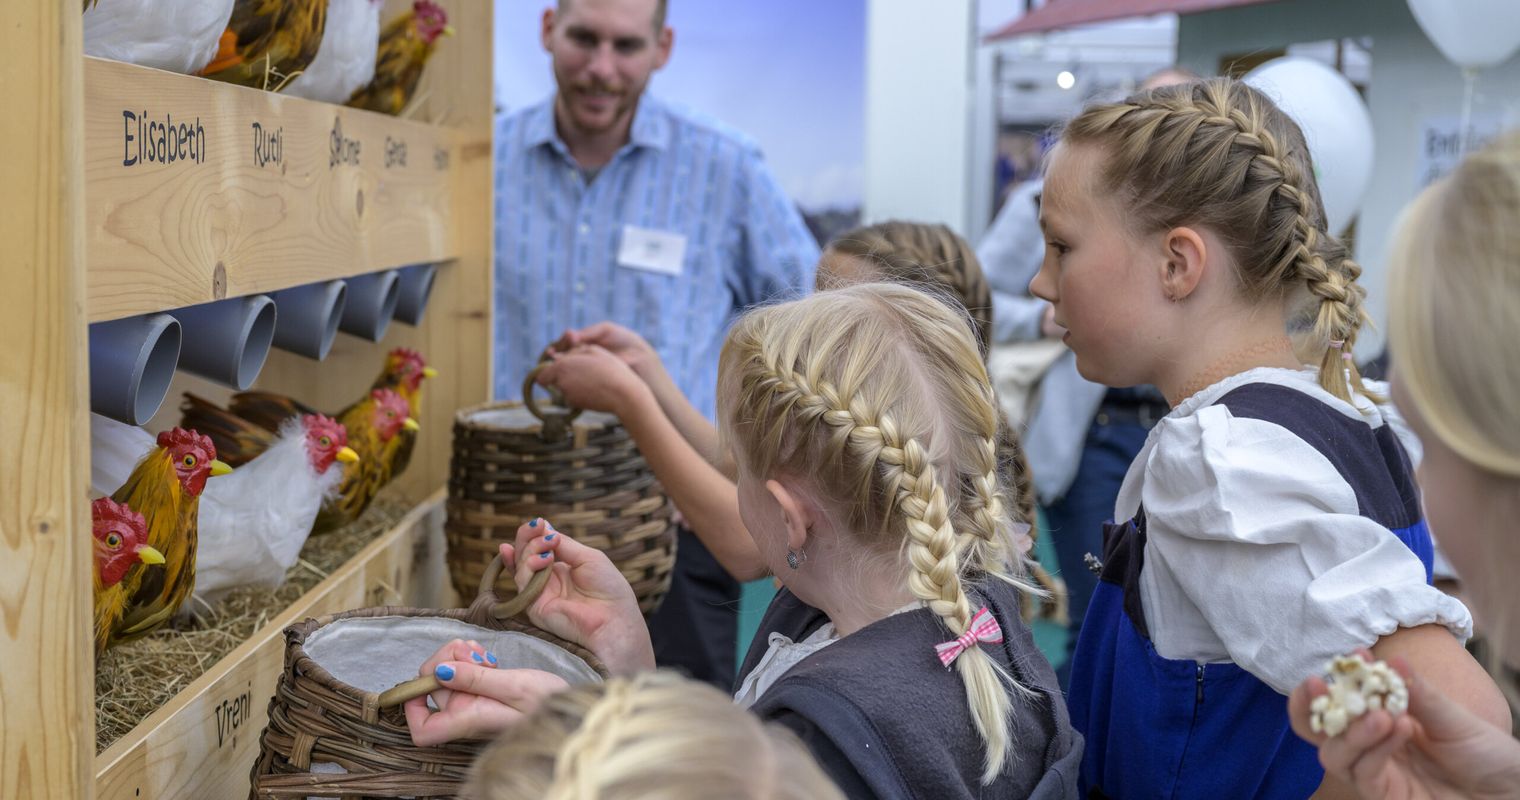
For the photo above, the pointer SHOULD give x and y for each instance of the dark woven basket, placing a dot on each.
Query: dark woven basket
(513, 462)
(314, 718)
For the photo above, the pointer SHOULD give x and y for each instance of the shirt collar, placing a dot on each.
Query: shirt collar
(651, 125)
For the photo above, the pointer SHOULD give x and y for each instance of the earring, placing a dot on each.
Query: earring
(795, 558)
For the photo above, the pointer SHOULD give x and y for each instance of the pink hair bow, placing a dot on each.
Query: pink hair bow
(983, 628)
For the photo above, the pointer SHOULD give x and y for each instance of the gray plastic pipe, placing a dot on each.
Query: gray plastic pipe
(131, 363)
(416, 288)
(228, 340)
(308, 317)
(371, 304)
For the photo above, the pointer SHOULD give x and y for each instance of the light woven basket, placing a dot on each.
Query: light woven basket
(513, 462)
(336, 727)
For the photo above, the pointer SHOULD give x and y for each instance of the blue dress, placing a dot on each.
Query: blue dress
(1268, 528)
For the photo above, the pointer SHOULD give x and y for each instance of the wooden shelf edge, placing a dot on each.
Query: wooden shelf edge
(203, 742)
(196, 190)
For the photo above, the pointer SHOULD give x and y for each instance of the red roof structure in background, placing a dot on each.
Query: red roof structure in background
(1067, 13)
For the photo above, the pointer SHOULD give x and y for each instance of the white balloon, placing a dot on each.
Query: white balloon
(1474, 34)
(1336, 125)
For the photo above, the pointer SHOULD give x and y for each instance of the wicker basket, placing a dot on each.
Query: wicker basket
(513, 462)
(336, 731)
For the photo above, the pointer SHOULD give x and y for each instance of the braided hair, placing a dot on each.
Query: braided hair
(939, 261)
(877, 394)
(652, 735)
(1220, 154)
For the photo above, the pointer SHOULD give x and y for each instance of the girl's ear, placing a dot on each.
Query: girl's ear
(1185, 254)
(796, 513)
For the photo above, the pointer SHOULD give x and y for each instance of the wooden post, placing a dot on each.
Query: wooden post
(47, 728)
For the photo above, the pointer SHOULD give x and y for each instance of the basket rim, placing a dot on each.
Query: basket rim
(298, 633)
(590, 420)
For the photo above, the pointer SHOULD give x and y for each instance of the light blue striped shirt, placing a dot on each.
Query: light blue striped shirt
(558, 236)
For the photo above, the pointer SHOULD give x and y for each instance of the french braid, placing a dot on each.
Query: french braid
(878, 395)
(653, 734)
(1220, 154)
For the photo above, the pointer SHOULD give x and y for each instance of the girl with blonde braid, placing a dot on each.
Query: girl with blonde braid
(864, 432)
(1271, 521)
(653, 735)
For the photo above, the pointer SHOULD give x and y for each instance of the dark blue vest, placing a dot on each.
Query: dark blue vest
(1158, 727)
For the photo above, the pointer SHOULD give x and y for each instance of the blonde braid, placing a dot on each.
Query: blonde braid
(587, 747)
(1220, 154)
(850, 388)
(1341, 312)
(656, 734)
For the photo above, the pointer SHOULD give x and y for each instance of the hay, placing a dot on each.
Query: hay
(135, 679)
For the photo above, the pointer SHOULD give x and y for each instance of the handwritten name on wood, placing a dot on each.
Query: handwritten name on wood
(395, 152)
(154, 141)
(440, 158)
(230, 715)
(268, 146)
(340, 148)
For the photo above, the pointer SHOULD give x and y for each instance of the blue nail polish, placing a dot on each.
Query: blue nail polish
(491, 657)
(476, 658)
(544, 555)
(548, 537)
(533, 523)
(444, 672)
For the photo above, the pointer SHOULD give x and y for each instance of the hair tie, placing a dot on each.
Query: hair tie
(983, 628)
(1337, 343)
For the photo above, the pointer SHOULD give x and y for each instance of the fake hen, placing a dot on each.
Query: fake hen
(254, 522)
(346, 59)
(405, 47)
(175, 35)
(404, 371)
(268, 42)
(121, 545)
(374, 425)
(165, 488)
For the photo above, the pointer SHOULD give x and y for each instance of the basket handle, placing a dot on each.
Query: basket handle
(427, 684)
(555, 426)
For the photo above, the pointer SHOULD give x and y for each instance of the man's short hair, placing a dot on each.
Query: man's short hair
(659, 12)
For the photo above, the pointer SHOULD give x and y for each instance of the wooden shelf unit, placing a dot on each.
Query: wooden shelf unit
(98, 226)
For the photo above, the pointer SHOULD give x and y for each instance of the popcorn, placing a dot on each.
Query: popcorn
(1356, 687)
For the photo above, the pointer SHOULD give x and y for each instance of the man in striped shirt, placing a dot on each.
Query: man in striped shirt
(614, 206)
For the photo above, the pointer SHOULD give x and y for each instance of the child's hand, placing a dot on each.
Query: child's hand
(1437, 749)
(629, 347)
(478, 700)
(593, 378)
(586, 601)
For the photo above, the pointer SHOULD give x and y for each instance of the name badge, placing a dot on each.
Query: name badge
(653, 251)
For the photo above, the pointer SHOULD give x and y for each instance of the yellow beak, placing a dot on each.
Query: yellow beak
(348, 456)
(411, 424)
(149, 555)
(429, 372)
(219, 467)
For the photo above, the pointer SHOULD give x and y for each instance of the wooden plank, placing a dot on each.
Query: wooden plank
(250, 191)
(46, 701)
(456, 335)
(204, 743)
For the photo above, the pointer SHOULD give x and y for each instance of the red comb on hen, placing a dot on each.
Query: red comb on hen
(183, 438)
(431, 19)
(105, 512)
(318, 425)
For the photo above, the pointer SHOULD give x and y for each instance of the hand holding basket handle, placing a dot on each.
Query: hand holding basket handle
(571, 591)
